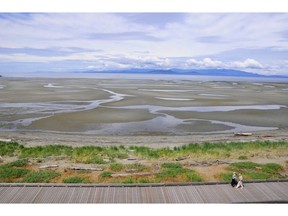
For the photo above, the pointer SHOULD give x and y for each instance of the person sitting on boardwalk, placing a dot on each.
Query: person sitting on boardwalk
(240, 182)
(234, 181)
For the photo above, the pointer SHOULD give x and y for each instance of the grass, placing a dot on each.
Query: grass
(254, 171)
(41, 177)
(242, 157)
(10, 148)
(105, 174)
(75, 180)
(167, 170)
(18, 163)
(10, 174)
(116, 167)
(46, 151)
(175, 172)
(137, 167)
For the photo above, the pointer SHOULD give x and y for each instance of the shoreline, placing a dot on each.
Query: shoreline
(31, 139)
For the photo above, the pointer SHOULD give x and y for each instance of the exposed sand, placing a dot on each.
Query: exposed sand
(154, 113)
(39, 138)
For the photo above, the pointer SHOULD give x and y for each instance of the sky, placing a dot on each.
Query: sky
(73, 42)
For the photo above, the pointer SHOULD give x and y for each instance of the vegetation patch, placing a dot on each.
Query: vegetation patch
(116, 167)
(18, 163)
(174, 172)
(75, 180)
(46, 151)
(41, 177)
(161, 165)
(10, 174)
(106, 174)
(9, 148)
(242, 157)
(254, 171)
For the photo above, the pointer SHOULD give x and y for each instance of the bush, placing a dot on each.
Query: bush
(74, 179)
(41, 177)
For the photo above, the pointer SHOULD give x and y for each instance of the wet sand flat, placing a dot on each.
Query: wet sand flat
(119, 107)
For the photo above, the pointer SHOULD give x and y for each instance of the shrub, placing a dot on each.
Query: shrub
(74, 179)
(41, 177)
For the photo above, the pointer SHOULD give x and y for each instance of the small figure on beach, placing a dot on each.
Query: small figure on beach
(234, 181)
(240, 182)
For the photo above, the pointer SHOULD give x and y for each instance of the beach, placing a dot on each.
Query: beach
(154, 113)
(31, 139)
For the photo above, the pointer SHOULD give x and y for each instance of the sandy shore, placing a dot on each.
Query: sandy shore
(155, 113)
(37, 139)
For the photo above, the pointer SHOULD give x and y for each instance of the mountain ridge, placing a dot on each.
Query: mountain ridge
(199, 72)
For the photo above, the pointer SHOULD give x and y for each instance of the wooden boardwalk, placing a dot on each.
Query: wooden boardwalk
(253, 192)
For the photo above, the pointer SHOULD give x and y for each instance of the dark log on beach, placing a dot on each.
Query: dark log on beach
(132, 174)
(89, 169)
(243, 134)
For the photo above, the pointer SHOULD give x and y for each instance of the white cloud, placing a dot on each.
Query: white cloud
(205, 63)
(248, 63)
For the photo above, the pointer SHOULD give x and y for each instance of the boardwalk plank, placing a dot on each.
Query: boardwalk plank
(197, 193)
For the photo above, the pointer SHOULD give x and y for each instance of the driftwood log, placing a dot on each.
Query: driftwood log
(243, 134)
(209, 163)
(87, 168)
(132, 174)
(48, 166)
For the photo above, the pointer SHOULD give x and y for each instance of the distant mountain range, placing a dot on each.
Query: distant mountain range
(200, 72)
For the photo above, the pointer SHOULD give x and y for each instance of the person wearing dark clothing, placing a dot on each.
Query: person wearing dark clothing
(234, 181)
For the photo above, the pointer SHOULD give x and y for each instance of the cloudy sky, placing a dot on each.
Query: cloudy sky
(66, 42)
